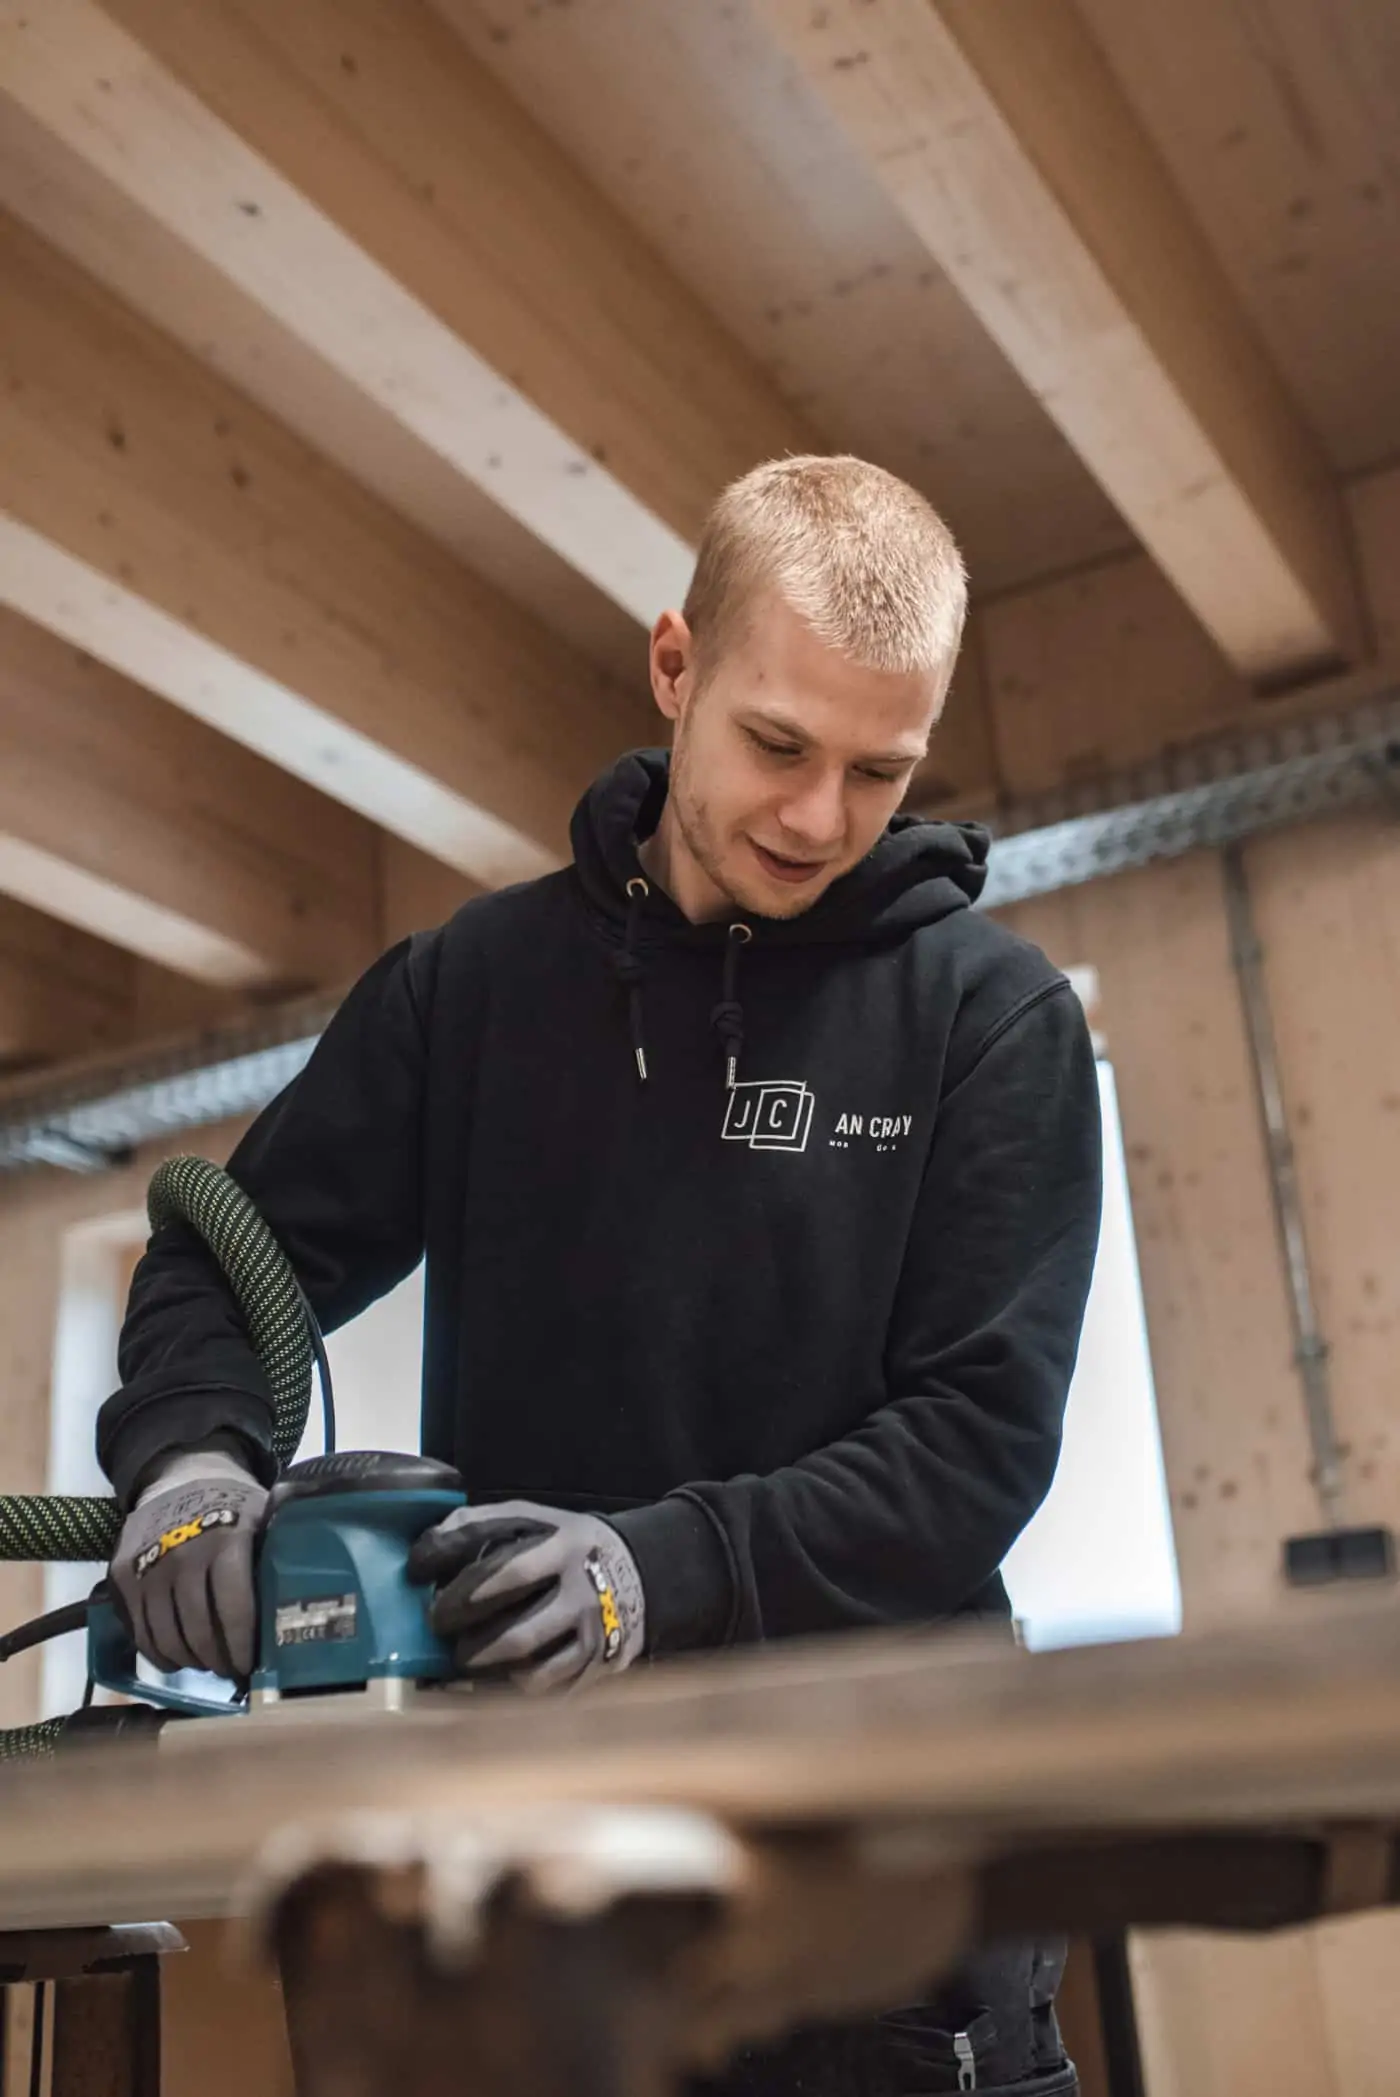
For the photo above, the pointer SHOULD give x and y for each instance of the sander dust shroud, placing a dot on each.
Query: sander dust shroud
(335, 1609)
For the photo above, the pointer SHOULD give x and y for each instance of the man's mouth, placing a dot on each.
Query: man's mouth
(779, 867)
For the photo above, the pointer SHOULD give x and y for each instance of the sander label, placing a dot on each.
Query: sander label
(318, 1618)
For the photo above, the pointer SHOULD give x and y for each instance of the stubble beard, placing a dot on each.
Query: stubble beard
(694, 822)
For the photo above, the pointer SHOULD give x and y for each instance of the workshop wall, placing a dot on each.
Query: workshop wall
(1327, 907)
(1310, 2014)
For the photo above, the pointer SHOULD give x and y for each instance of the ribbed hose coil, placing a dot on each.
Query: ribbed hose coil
(65, 1526)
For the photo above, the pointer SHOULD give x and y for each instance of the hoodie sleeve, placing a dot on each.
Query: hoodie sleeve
(334, 1165)
(910, 1515)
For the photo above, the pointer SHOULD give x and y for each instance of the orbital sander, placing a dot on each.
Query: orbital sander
(336, 1612)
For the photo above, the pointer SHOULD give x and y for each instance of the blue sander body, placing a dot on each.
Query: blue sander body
(336, 1611)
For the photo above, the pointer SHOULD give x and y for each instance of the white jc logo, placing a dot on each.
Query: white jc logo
(769, 1115)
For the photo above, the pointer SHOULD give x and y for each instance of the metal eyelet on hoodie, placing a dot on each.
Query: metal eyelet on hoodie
(727, 1019)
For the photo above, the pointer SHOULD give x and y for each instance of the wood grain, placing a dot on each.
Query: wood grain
(159, 520)
(1005, 140)
(135, 822)
(1293, 1720)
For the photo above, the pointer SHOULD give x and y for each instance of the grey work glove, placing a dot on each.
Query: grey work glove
(540, 1596)
(183, 1566)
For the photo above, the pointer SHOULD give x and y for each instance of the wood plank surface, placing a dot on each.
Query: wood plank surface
(1241, 1728)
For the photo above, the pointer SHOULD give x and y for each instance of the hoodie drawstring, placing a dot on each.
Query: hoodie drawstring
(727, 1019)
(630, 971)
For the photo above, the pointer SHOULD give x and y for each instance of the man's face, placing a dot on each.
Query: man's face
(788, 761)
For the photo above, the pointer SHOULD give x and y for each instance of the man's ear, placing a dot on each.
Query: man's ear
(672, 664)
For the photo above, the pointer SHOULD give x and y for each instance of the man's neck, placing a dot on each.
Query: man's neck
(669, 864)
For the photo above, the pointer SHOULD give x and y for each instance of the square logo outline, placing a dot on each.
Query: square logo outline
(761, 1134)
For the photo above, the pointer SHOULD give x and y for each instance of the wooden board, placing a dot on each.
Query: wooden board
(223, 2027)
(169, 527)
(759, 202)
(1104, 669)
(415, 891)
(1003, 137)
(1278, 120)
(60, 989)
(130, 819)
(1099, 671)
(960, 774)
(415, 224)
(1293, 1722)
(1309, 2013)
(66, 201)
(1327, 909)
(1375, 511)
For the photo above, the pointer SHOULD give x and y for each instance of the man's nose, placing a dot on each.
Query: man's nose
(814, 812)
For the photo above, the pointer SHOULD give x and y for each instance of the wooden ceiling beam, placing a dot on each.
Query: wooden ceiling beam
(1002, 135)
(359, 175)
(62, 992)
(155, 518)
(129, 819)
(415, 892)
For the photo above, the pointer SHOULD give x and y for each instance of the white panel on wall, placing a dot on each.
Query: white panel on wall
(1098, 1561)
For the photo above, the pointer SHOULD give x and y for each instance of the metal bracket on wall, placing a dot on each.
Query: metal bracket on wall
(1209, 796)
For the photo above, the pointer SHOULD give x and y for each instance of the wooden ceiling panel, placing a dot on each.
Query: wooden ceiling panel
(127, 818)
(1004, 138)
(349, 167)
(62, 992)
(165, 524)
(1280, 121)
(69, 203)
(415, 891)
(705, 138)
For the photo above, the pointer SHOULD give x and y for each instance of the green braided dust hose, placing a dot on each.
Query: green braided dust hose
(30, 1743)
(192, 1191)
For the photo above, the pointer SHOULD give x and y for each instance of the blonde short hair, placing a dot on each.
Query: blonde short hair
(854, 551)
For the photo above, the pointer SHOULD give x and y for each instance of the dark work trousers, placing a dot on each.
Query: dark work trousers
(988, 2027)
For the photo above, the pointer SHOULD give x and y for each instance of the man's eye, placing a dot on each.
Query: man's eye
(879, 778)
(775, 749)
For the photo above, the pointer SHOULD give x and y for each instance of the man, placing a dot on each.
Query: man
(758, 1182)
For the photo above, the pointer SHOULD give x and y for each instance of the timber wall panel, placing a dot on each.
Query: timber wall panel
(1306, 2013)
(1327, 909)
(1217, 1315)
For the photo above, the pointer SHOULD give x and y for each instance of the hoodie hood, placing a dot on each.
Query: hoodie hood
(917, 872)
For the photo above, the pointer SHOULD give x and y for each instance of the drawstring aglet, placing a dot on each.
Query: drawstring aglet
(731, 1073)
(641, 1056)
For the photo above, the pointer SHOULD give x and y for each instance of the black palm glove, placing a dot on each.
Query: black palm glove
(539, 1595)
(183, 1566)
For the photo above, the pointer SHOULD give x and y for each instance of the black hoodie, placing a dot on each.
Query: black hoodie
(770, 1240)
